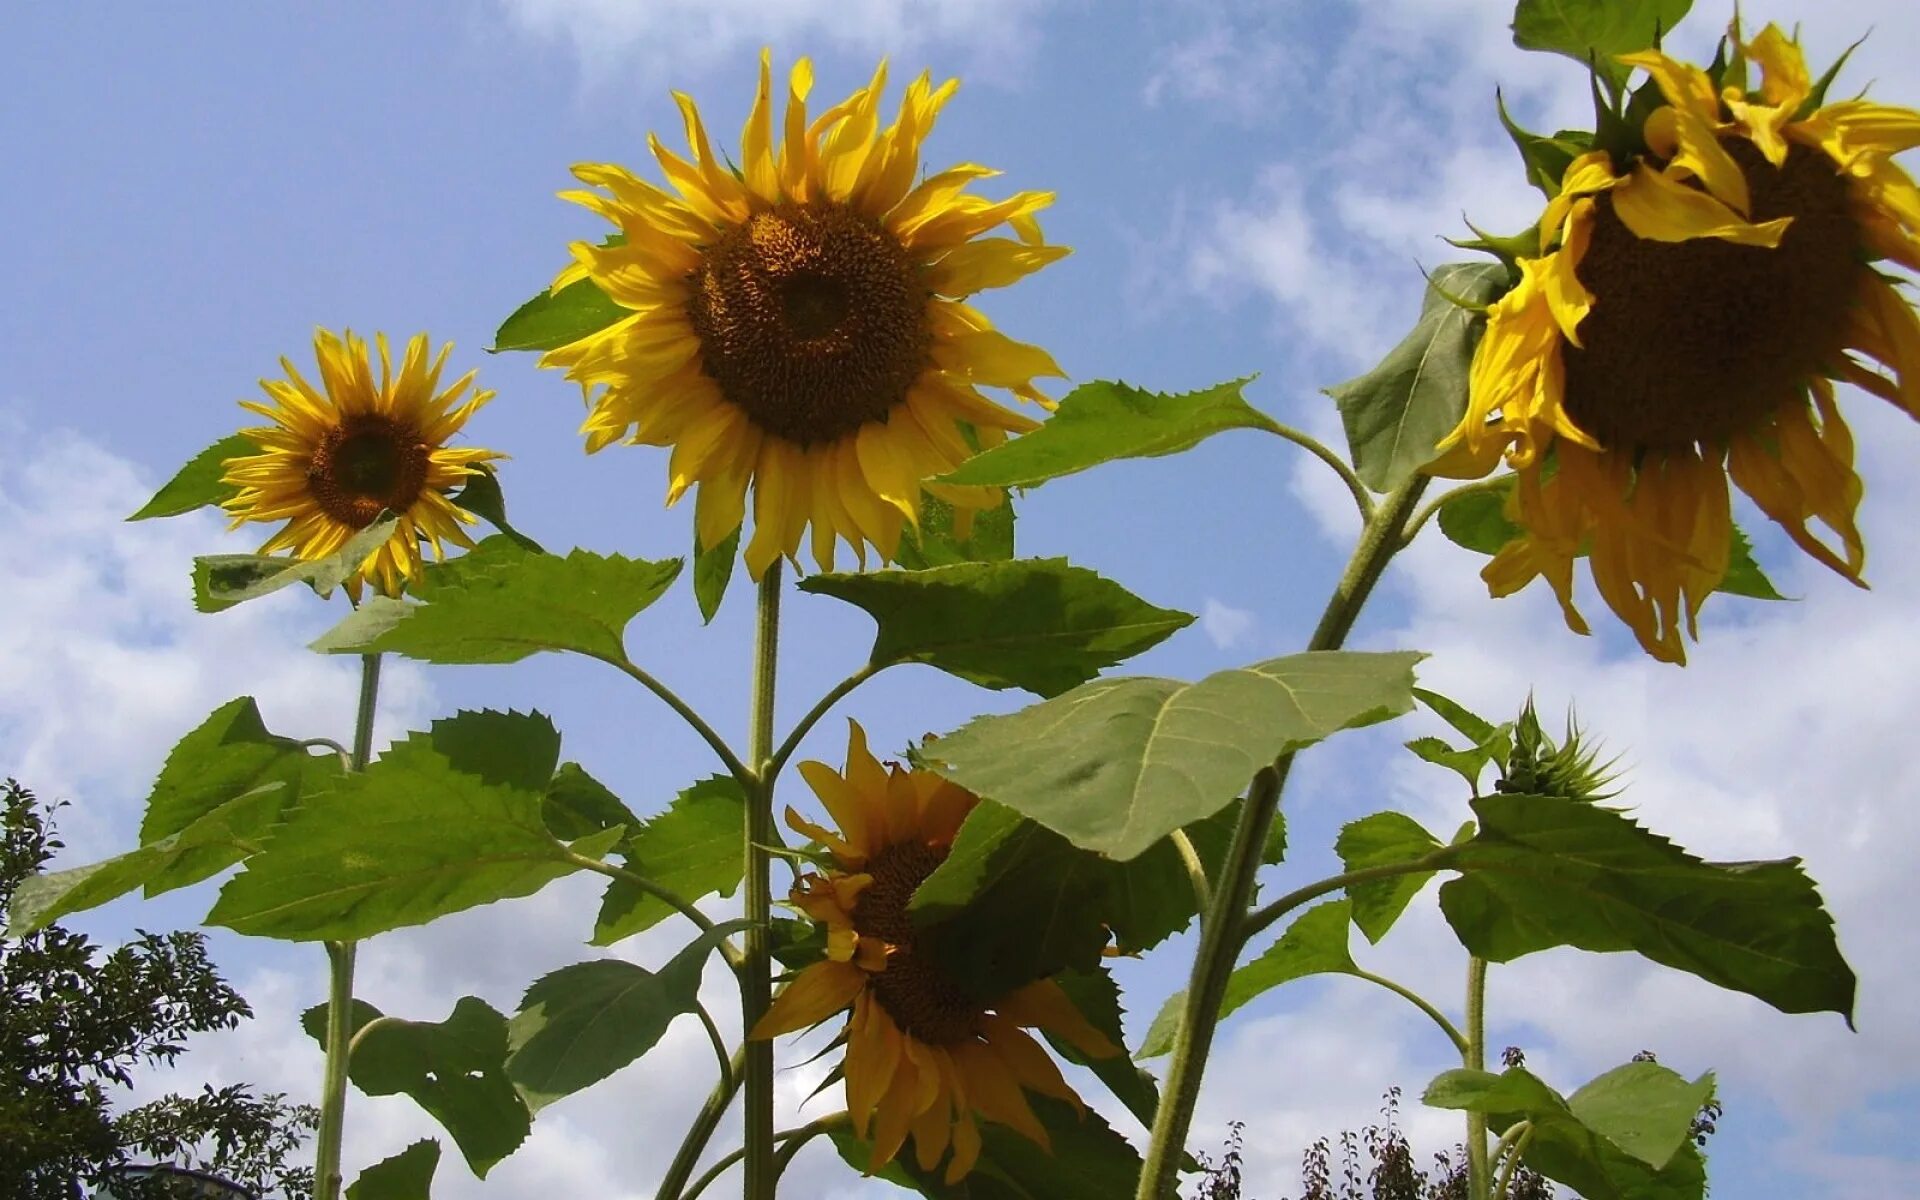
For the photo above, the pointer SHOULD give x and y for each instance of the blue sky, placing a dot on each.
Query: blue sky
(1248, 188)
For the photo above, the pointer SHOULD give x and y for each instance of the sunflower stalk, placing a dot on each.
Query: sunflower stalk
(756, 981)
(340, 955)
(1479, 1174)
(1223, 925)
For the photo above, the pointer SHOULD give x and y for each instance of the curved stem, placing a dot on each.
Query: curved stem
(719, 1043)
(1513, 1143)
(1221, 928)
(1319, 450)
(667, 896)
(1492, 483)
(1479, 1179)
(1420, 1002)
(839, 693)
(346, 756)
(671, 699)
(1266, 915)
(333, 1084)
(1196, 870)
(698, 1134)
(791, 1140)
(756, 981)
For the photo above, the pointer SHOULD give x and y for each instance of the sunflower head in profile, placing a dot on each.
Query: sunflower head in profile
(1696, 297)
(339, 455)
(799, 325)
(925, 1056)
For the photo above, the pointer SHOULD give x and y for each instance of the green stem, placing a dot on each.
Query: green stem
(1491, 483)
(839, 692)
(1196, 870)
(1420, 1002)
(1479, 1178)
(1513, 1143)
(694, 1144)
(1221, 932)
(672, 700)
(665, 895)
(340, 955)
(1254, 922)
(1314, 446)
(756, 983)
(791, 1140)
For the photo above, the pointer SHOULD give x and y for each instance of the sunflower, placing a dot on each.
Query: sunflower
(335, 458)
(923, 1054)
(1689, 314)
(798, 323)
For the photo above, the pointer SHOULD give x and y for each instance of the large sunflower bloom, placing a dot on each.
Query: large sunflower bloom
(798, 324)
(338, 456)
(924, 1056)
(1684, 325)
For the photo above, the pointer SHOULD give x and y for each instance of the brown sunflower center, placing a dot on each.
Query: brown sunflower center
(923, 1000)
(365, 464)
(1695, 341)
(811, 318)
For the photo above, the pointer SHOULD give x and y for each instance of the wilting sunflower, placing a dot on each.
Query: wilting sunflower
(798, 323)
(1690, 312)
(336, 457)
(923, 1055)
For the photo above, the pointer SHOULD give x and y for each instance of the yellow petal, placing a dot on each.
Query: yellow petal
(1043, 1005)
(817, 993)
(1660, 208)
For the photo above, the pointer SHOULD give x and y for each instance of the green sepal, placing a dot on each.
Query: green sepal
(199, 483)
(712, 572)
(1546, 159)
(1817, 97)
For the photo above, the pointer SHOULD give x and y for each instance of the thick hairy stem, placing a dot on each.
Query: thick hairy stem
(1221, 926)
(1479, 1177)
(756, 981)
(333, 1085)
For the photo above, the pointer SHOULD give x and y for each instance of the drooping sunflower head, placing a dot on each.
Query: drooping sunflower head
(925, 1056)
(1697, 293)
(799, 325)
(339, 455)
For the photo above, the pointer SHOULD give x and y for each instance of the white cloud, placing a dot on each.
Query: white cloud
(1225, 626)
(617, 36)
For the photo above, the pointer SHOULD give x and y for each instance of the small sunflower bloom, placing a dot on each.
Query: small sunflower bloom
(925, 1056)
(799, 325)
(339, 455)
(1684, 325)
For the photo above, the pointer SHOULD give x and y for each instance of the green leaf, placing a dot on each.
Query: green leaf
(577, 805)
(1564, 1147)
(1098, 998)
(1038, 624)
(481, 496)
(1014, 902)
(1088, 1161)
(1117, 764)
(580, 1024)
(1643, 1108)
(198, 484)
(508, 606)
(1595, 31)
(221, 581)
(552, 319)
(411, 838)
(1477, 521)
(1469, 764)
(1396, 414)
(712, 571)
(1471, 725)
(1380, 840)
(1100, 422)
(407, 1175)
(693, 849)
(1315, 944)
(454, 1069)
(937, 544)
(227, 755)
(1544, 871)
